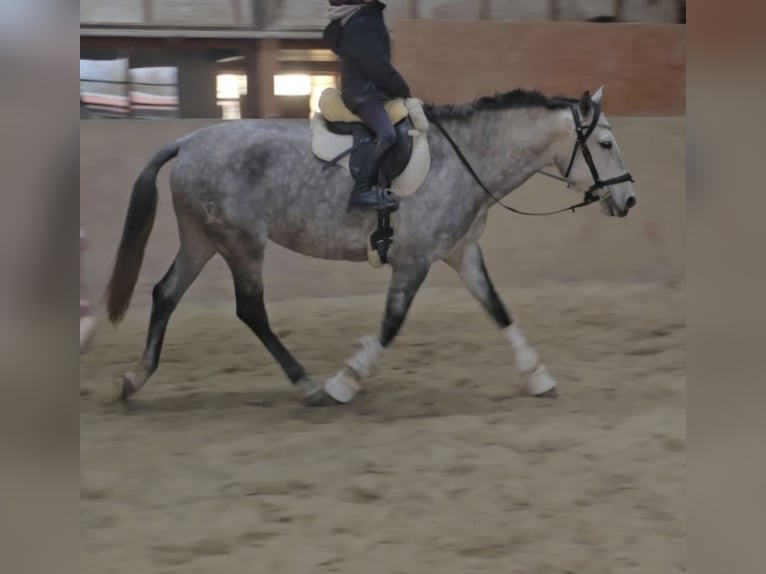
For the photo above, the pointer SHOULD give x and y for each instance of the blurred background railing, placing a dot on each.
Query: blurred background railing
(260, 58)
(308, 15)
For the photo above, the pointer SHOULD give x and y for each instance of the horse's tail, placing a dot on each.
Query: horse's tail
(135, 234)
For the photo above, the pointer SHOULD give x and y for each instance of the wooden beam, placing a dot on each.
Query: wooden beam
(160, 43)
(317, 68)
(148, 11)
(414, 9)
(619, 6)
(249, 107)
(260, 78)
(259, 15)
(554, 10)
(178, 32)
(484, 10)
(236, 11)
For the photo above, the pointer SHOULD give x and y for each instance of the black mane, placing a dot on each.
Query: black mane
(514, 99)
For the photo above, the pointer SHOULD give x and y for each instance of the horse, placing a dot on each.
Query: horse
(236, 185)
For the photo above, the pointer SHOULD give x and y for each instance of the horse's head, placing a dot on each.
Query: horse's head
(593, 164)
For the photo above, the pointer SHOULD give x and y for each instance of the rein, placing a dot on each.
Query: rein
(583, 133)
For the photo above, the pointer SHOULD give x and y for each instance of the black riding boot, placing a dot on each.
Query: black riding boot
(365, 194)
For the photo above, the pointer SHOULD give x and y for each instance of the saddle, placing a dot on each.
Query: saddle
(337, 134)
(335, 111)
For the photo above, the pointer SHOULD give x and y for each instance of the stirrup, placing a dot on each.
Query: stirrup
(382, 238)
(384, 202)
(363, 201)
(387, 201)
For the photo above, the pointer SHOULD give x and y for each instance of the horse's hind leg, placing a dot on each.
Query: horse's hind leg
(246, 265)
(194, 253)
(469, 264)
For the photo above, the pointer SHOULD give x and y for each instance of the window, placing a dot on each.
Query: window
(229, 90)
(303, 85)
(292, 85)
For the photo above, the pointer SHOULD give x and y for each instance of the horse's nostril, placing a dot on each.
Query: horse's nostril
(630, 203)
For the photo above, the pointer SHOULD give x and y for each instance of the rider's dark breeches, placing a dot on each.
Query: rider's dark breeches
(376, 117)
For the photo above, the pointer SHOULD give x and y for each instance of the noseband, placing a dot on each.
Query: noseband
(581, 145)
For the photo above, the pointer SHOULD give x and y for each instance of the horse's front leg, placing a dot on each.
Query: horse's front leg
(469, 264)
(405, 282)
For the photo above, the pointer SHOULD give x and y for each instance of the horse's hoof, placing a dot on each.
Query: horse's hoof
(551, 394)
(319, 399)
(128, 386)
(342, 387)
(540, 383)
(312, 395)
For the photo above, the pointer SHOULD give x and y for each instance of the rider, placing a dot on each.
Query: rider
(357, 33)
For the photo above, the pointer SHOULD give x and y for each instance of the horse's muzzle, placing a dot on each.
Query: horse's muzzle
(630, 203)
(609, 206)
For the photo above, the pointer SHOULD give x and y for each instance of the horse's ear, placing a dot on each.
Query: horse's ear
(598, 96)
(586, 104)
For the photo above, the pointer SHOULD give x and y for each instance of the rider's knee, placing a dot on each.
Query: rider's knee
(388, 138)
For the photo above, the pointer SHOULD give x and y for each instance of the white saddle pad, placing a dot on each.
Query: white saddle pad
(326, 145)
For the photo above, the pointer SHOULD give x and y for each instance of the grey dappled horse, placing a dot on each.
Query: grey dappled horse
(235, 185)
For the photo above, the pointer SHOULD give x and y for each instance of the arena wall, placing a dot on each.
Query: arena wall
(642, 65)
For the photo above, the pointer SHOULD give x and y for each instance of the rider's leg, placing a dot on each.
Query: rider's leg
(376, 118)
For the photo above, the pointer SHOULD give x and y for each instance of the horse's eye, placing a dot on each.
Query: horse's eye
(605, 144)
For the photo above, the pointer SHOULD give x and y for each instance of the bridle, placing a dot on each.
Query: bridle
(581, 145)
(583, 133)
